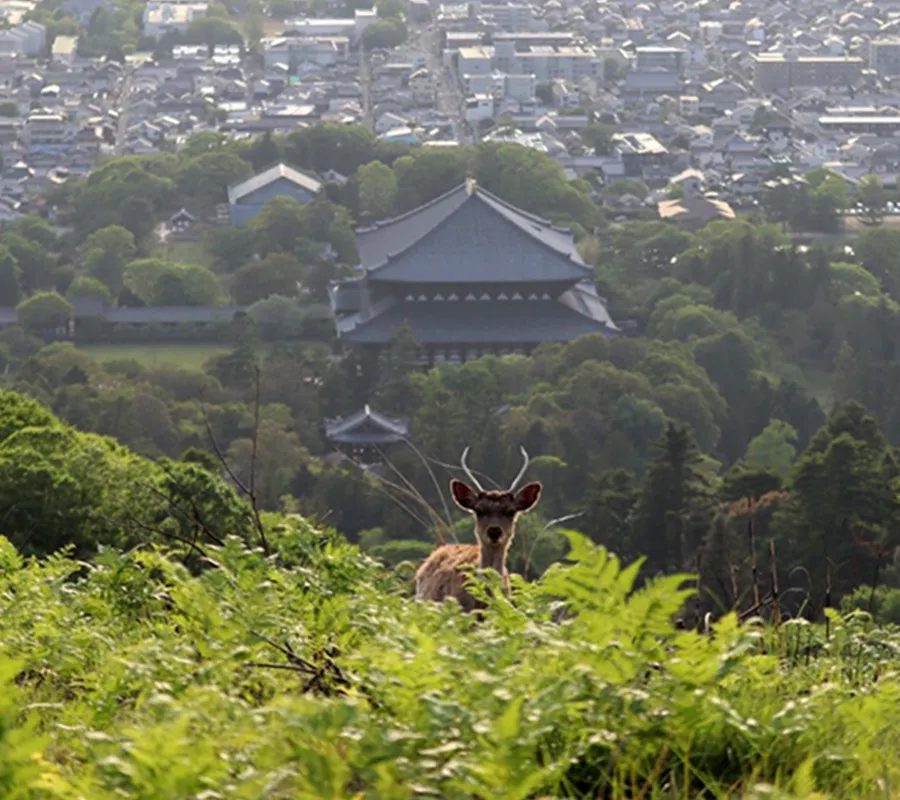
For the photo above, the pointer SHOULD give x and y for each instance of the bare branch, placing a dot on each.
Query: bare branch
(426, 521)
(434, 480)
(192, 544)
(184, 514)
(419, 496)
(249, 492)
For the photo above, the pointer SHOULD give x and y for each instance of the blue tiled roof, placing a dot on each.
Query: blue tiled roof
(481, 322)
(366, 427)
(241, 189)
(164, 314)
(464, 237)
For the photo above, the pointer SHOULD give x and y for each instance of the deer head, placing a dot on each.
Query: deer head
(495, 511)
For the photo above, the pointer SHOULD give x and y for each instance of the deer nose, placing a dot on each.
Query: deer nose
(494, 533)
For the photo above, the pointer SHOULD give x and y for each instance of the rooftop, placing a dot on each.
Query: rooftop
(366, 426)
(488, 241)
(267, 176)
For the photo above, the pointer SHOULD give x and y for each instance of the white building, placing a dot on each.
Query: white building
(29, 38)
(47, 131)
(171, 16)
(352, 27)
(322, 50)
(64, 50)
(502, 87)
(479, 107)
(475, 61)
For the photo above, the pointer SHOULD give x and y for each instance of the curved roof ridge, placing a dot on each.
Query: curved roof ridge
(531, 215)
(571, 253)
(510, 214)
(379, 224)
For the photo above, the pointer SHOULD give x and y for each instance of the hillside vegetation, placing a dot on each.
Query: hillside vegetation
(130, 677)
(182, 662)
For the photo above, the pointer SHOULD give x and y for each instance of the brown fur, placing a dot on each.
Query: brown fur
(442, 574)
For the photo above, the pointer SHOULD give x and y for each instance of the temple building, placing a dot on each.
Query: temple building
(364, 433)
(470, 275)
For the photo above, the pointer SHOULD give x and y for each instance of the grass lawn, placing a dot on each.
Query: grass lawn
(188, 356)
(186, 253)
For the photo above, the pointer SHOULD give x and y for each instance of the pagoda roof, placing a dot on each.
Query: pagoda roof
(366, 426)
(576, 313)
(469, 235)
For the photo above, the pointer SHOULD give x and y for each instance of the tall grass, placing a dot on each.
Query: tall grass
(131, 678)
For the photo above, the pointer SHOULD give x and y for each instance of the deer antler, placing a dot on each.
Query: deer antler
(469, 475)
(512, 486)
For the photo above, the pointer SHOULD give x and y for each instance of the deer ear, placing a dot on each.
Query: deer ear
(528, 496)
(462, 495)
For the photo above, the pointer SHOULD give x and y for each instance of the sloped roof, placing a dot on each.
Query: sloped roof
(486, 321)
(695, 209)
(240, 190)
(469, 235)
(366, 426)
(163, 314)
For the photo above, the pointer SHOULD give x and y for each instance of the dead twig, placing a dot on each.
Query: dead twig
(317, 675)
(249, 492)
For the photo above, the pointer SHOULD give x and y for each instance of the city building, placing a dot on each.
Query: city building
(470, 275)
(47, 131)
(884, 55)
(649, 57)
(773, 72)
(171, 16)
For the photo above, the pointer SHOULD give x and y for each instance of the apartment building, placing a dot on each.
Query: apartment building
(650, 57)
(884, 55)
(47, 131)
(29, 38)
(171, 16)
(774, 72)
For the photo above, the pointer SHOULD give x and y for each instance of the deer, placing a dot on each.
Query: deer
(441, 575)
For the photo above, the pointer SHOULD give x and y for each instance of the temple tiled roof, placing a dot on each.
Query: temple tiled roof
(483, 321)
(469, 236)
(366, 426)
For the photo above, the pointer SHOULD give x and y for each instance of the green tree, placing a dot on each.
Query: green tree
(208, 176)
(385, 33)
(599, 138)
(44, 313)
(878, 252)
(377, 189)
(10, 278)
(430, 172)
(841, 493)
(873, 199)
(106, 252)
(212, 31)
(672, 514)
(276, 274)
(774, 449)
(279, 224)
(231, 247)
(609, 504)
(398, 391)
(323, 147)
(34, 260)
(85, 286)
